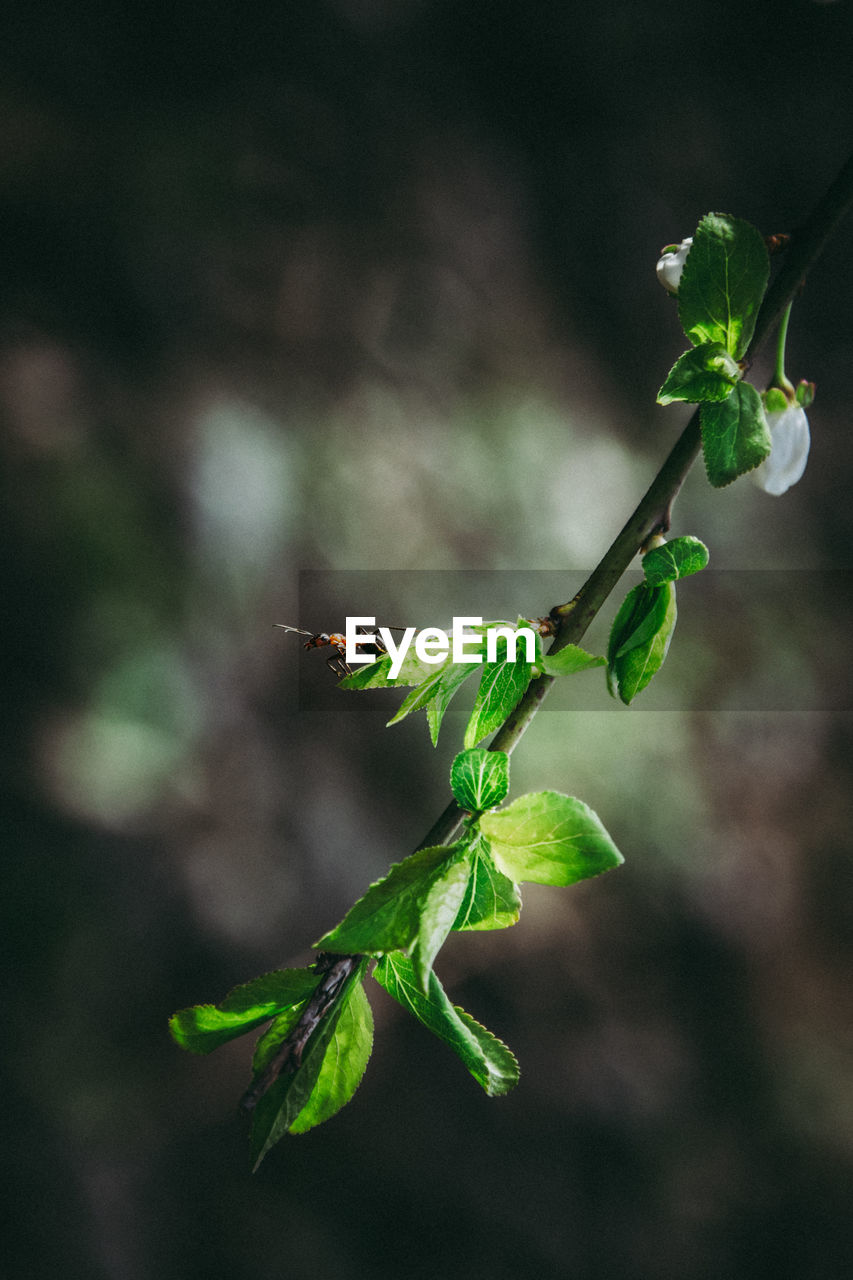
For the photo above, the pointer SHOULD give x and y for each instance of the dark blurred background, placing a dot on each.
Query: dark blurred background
(293, 291)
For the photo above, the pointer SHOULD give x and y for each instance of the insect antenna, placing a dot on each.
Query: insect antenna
(300, 631)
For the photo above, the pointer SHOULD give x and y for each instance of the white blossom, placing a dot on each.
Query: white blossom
(671, 264)
(786, 462)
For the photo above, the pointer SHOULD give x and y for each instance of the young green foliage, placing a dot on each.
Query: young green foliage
(409, 899)
(502, 683)
(440, 909)
(453, 680)
(569, 660)
(706, 372)
(376, 675)
(344, 1061)
(676, 559)
(435, 691)
(720, 291)
(723, 282)
(489, 1060)
(492, 900)
(204, 1027)
(325, 1078)
(639, 638)
(438, 684)
(502, 686)
(373, 675)
(549, 838)
(735, 435)
(479, 779)
(311, 1058)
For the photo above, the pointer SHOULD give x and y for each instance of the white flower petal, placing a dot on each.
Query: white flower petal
(670, 265)
(790, 440)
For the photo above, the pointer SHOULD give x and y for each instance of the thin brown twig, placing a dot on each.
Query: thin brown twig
(288, 1057)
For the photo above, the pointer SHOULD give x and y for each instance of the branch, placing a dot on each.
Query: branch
(653, 514)
(573, 619)
(807, 244)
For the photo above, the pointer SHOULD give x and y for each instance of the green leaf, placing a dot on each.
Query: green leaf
(492, 900)
(452, 680)
(277, 1109)
(374, 675)
(205, 1027)
(723, 283)
(549, 838)
(343, 1064)
(436, 691)
(438, 914)
(278, 1030)
(331, 1068)
(706, 372)
(388, 917)
(489, 1060)
(414, 671)
(639, 638)
(640, 617)
(438, 686)
(442, 683)
(569, 659)
(479, 779)
(676, 559)
(418, 698)
(735, 435)
(502, 687)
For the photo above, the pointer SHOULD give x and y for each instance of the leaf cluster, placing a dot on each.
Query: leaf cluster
(721, 289)
(643, 627)
(318, 1026)
(401, 922)
(501, 686)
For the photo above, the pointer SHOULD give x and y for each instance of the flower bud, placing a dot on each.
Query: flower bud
(790, 441)
(775, 401)
(805, 393)
(671, 264)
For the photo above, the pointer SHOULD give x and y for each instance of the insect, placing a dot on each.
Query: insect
(338, 642)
